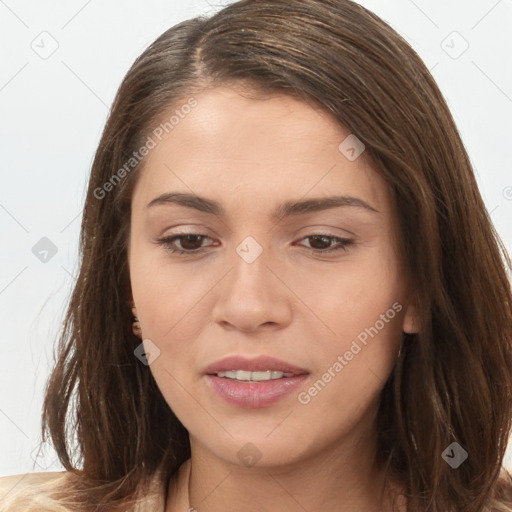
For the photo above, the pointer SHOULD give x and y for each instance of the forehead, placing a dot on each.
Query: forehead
(226, 115)
(237, 142)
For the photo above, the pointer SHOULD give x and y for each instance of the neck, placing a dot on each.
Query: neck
(332, 480)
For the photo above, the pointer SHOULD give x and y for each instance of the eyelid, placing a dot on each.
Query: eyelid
(340, 243)
(322, 228)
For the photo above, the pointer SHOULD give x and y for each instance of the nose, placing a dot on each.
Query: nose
(253, 295)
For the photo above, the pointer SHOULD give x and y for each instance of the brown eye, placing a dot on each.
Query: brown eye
(324, 243)
(190, 243)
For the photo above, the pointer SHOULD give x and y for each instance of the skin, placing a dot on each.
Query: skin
(252, 154)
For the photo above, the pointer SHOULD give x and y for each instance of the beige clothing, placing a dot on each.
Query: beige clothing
(30, 493)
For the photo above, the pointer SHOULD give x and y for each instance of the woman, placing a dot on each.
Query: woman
(291, 296)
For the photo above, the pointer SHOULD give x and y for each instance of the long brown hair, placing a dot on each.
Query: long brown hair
(453, 380)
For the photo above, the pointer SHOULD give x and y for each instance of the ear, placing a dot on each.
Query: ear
(131, 304)
(411, 321)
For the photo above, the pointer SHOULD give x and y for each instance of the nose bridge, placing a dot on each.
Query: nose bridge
(251, 294)
(250, 270)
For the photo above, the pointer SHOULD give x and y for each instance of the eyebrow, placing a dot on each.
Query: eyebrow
(286, 209)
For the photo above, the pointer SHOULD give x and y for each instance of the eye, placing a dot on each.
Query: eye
(191, 243)
(188, 242)
(325, 239)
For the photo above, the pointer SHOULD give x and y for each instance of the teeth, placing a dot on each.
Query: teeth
(253, 376)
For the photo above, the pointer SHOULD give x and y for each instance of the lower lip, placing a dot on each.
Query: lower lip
(254, 395)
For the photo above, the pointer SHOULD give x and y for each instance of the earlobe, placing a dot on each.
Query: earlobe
(135, 321)
(131, 305)
(410, 324)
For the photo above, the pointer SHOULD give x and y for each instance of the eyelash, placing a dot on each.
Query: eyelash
(343, 243)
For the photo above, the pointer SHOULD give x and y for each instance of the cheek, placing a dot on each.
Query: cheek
(351, 373)
(361, 310)
(168, 295)
(351, 295)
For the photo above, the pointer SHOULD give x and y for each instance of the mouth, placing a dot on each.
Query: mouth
(254, 383)
(242, 375)
(261, 368)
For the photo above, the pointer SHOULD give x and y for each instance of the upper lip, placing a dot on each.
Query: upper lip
(260, 363)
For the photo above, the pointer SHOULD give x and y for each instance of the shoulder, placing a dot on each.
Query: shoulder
(49, 492)
(11, 481)
(501, 497)
(505, 479)
(26, 489)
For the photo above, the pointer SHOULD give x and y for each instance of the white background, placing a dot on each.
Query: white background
(52, 112)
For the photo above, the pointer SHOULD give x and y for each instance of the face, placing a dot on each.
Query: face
(307, 295)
